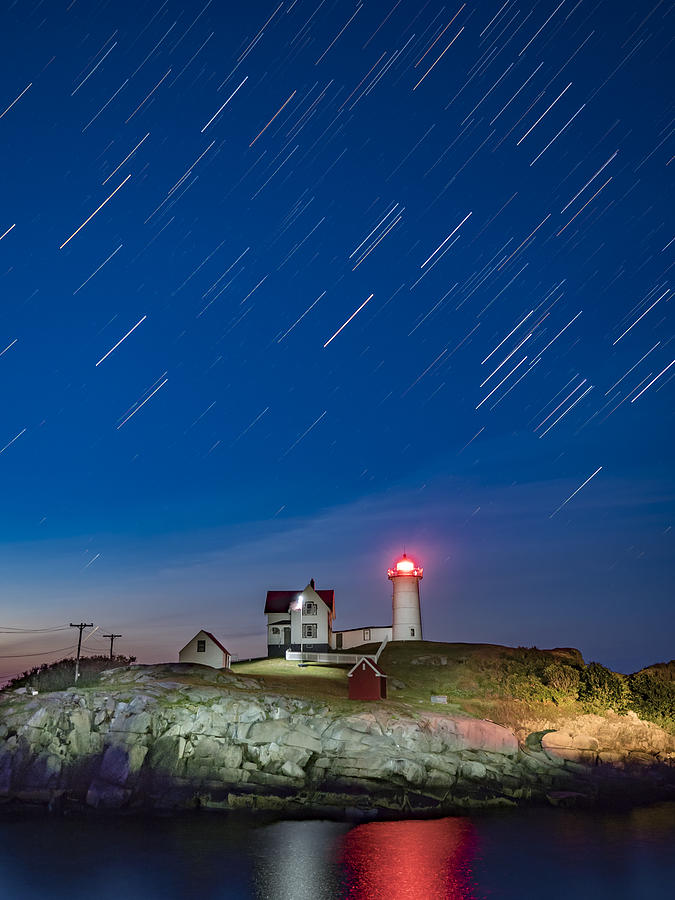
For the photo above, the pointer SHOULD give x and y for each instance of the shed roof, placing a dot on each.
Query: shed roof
(279, 601)
(217, 642)
(373, 665)
(212, 637)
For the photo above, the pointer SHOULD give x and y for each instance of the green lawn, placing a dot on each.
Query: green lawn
(523, 688)
(471, 676)
(410, 684)
(280, 676)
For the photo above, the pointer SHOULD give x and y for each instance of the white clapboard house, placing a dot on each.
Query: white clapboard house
(205, 649)
(299, 620)
(306, 616)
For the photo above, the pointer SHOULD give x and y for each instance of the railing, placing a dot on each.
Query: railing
(381, 647)
(334, 659)
(417, 572)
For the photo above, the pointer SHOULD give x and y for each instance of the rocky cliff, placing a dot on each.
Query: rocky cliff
(180, 736)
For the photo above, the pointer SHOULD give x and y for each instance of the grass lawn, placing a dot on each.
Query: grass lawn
(280, 676)
(523, 688)
(469, 675)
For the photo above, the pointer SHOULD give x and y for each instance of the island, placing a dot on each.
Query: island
(463, 727)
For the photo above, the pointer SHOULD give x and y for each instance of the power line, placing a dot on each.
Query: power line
(15, 629)
(6, 677)
(81, 626)
(112, 640)
(42, 653)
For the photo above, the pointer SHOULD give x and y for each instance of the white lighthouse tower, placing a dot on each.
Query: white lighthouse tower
(405, 578)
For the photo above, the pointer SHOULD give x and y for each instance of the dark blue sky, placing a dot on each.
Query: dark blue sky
(498, 178)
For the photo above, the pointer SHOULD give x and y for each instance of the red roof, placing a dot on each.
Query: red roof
(279, 601)
(217, 642)
(373, 665)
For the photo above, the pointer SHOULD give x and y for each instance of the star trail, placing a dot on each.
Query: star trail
(433, 244)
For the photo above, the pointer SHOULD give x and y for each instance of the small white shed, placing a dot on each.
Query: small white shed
(206, 650)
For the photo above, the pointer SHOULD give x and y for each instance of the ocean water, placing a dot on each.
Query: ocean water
(539, 853)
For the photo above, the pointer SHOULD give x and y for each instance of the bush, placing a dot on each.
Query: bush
(602, 687)
(525, 687)
(652, 696)
(663, 671)
(562, 680)
(60, 675)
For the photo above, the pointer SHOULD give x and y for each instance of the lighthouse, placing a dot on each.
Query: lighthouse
(405, 577)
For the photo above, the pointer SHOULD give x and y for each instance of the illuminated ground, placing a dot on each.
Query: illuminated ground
(477, 679)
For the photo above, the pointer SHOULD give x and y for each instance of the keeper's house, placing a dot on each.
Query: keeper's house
(305, 617)
(206, 650)
(296, 618)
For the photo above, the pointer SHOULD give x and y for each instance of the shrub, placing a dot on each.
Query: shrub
(652, 697)
(521, 687)
(602, 687)
(663, 671)
(562, 680)
(60, 675)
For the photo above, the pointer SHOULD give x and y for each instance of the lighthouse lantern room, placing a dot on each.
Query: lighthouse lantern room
(405, 577)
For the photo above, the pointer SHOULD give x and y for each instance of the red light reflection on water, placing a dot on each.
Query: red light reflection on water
(428, 859)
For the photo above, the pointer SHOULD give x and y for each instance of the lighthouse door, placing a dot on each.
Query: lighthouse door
(287, 637)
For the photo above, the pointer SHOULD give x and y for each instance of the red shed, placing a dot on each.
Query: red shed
(367, 681)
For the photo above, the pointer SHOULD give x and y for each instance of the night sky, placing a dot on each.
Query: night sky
(286, 288)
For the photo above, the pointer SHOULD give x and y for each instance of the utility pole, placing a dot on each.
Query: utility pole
(81, 626)
(112, 638)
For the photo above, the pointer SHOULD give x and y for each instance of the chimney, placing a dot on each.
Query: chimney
(311, 582)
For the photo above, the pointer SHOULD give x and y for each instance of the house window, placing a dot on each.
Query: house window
(309, 631)
(309, 609)
(275, 631)
(366, 634)
(412, 632)
(201, 646)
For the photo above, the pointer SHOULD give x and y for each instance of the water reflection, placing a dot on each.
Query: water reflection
(400, 860)
(297, 860)
(510, 855)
